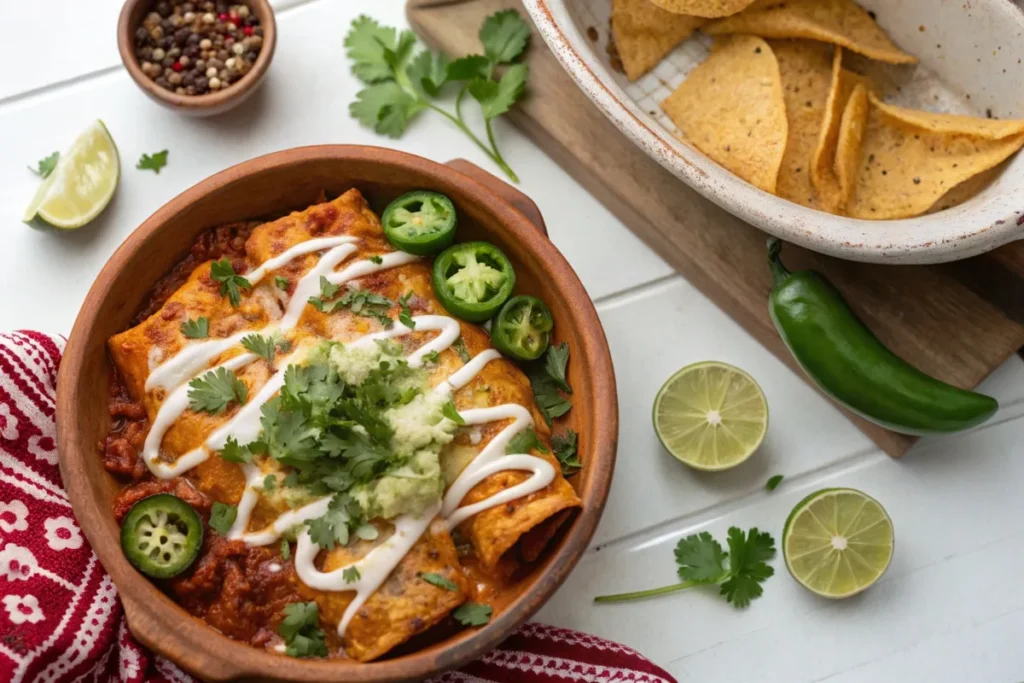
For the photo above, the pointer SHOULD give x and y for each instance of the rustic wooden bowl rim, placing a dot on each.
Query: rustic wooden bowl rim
(219, 100)
(233, 659)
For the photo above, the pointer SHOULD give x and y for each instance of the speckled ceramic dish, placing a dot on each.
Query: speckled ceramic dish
(971, 56)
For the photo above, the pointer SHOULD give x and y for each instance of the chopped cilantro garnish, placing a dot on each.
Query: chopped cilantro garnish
(452, 413)
(361, 302)
(738, 573)
(235, 452)
(46, 165)
(301, 631)
(524, 442)
(152, 162)
(565, 446)
(213, 391)
(196, 329)
(222, 517)
(460, 348)
(773, 482)
(431, 357)
(472, 614)
(376, 259)
(230, 282)
(547, 378)
(286, 549)
(282, 283)
(405, 317)
(264, 346)
(269, 483)
(439, 581)
(351, 574)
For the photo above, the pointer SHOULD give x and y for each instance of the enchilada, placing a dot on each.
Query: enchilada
(359, 447)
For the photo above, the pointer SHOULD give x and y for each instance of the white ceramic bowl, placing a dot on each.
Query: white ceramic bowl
(972, 61)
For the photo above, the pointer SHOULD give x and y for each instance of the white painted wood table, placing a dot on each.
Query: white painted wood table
(949, 608)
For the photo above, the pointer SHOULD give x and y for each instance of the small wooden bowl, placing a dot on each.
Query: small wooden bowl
(274, 184)
(132, 14)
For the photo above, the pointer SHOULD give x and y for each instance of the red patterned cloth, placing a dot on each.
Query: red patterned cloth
(61, 620)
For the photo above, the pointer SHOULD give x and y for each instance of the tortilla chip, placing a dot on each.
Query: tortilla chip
(823, 176)
(842, 22)
(704, 8)
(966, 190)
(644, 34)
(731, 107)
(805, 68)
(850, 143)
(906, 168)
(990, 129)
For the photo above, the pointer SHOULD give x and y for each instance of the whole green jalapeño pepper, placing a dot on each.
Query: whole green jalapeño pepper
(847, 362)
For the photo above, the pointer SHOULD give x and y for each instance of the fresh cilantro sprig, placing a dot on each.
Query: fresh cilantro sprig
(438, 580)
(548, 380)
(361, 302)
(301, 631)
(152, 162)
(405, 316)
(739, 572)
(401, 83)
(264, 346)
(460, 348)
(524, 442)
(230, 282)
(46, 165)
(351, 574)
(214, 390)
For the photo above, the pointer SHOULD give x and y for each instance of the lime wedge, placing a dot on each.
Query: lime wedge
(711, 415)
(837, 542)
(81, 185)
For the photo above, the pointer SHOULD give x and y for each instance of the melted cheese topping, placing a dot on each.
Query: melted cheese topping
(174, 374)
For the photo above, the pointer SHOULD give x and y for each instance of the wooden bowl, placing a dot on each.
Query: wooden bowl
(271, 185)
(132, 14)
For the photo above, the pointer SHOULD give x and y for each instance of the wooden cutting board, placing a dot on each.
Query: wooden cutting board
(956, 321)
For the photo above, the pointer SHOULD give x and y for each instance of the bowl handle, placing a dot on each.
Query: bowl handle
(499, 187)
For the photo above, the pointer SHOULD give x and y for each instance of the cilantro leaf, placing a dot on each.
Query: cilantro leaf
(351, 574)
(435, 579)
(460, 348)
(405, 317)
(286, 549)
(196, 329)
(230, 282)
(773, 482)
(496, 98)
(467, 68)
(472, 614)
(524, 442)
(738, 573)
(429, 72)
(222, 517)
(504, 36)
(46, 165)
(431, 357)
(365, 45)
(565, 446)
(452, 413)
(153, 162)
(262, 346)
(269, 483)
(700, 559)
(281, 283)
(376, 258)
(301, 631)
(213, 391)
(385, 107)
(555, 361)
(235, 452)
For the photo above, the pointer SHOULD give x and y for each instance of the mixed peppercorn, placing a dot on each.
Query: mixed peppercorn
(195, 48)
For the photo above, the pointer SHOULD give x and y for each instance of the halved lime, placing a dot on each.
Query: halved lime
(711, 415)
(837, 542)
(81, 185)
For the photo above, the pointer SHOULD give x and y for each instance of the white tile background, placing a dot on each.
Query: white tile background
(948, 610)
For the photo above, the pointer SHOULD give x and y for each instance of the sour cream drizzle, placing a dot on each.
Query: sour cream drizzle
(174, 374)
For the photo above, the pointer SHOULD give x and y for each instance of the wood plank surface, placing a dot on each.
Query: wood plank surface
(955, 321)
